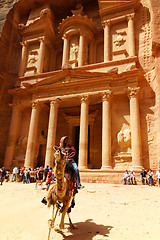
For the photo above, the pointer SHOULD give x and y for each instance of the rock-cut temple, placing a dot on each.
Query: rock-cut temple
(84, 69)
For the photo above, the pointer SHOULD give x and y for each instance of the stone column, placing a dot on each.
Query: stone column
(81, 50)
(135, 129)
(23, 58)
(41, 56)
(32, 136)
(131, 35)
(52, 127)
(83, 138)
(13, 131)
(107, 41)
(65, 51)
(106, 131)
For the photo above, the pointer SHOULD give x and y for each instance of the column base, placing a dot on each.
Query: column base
(105, 168)
(82, 168)
(137, 167)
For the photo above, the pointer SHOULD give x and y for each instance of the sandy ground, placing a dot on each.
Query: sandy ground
(102, 211)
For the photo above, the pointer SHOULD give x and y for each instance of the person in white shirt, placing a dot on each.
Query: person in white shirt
(150, 177)
(158, 177)
(132, 177)
(14, 174)
(126, 177)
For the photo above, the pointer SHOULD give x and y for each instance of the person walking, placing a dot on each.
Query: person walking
(46, 171)
(150, 177)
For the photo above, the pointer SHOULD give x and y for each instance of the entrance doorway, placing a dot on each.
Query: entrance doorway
(76, 145)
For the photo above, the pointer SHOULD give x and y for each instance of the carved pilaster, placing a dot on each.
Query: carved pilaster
(131, 35)
(107, 40)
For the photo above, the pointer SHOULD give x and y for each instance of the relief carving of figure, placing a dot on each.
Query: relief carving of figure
(124, 140)
(32, 58)
(20, 148)
(120, 39)
(74, 52)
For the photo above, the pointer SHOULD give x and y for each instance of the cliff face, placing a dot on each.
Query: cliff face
(5, 6)
(155, 21)
(147, 31)
(7, 52)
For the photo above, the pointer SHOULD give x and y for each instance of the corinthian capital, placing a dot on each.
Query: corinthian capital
(133, 92)
(84, 98)
(35, 105)
(130, 17)
(107, 95)
(55, 102)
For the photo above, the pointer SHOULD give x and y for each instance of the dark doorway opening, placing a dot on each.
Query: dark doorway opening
(77, 130)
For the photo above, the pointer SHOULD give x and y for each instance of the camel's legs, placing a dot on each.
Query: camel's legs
(51, 220)
(61, 225)
(70, 222)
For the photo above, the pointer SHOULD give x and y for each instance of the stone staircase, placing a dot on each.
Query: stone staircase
(111, 177)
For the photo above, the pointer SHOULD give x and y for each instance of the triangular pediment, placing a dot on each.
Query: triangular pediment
(68, 77)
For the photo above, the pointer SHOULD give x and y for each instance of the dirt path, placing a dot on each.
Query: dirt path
(112, 212)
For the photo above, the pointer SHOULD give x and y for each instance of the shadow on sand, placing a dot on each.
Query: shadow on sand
(87, 230)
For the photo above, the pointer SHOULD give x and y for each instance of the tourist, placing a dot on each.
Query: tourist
(46, 170)
(32, 176)
(14, 174)
(150, 177)
(143, 176)
(158, 177)
(7, 176)
(3, 173)
(40, 174)
(19, 174)
(28, 175)
(126, 177)
(132, 177)
(70, 152)
(22, 173)
(1, 178)
(50, 172)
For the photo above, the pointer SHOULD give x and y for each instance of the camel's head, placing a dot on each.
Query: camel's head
(59, 154)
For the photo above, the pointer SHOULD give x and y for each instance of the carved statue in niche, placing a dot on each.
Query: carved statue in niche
(74, 52)
(120, 39)
(122, 155)
(124, 140)
(20, 148)
(32, 58)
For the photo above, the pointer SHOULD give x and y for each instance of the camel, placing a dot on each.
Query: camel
(60, 193)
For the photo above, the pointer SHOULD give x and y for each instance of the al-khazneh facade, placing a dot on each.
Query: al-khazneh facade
(85, 70)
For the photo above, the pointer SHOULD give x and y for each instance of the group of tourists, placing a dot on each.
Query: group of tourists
(41, 174)
(147, 177)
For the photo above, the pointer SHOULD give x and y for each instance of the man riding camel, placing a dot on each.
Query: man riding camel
(70, 153)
